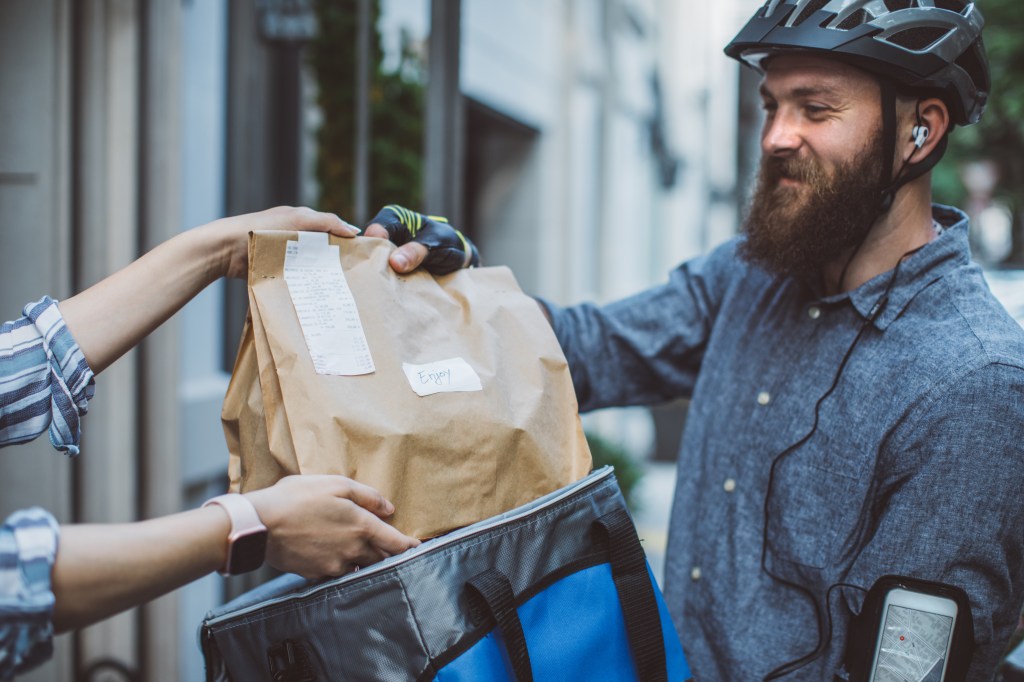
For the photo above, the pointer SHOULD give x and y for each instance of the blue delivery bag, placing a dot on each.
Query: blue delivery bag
(558, 589)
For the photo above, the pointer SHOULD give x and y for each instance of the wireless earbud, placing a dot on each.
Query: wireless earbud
(920, 135)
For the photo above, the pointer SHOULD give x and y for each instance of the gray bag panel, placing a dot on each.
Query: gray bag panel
(358, 627)
(387, 622)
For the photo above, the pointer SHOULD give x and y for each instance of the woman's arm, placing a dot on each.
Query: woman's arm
(112, 316)
(317, 526)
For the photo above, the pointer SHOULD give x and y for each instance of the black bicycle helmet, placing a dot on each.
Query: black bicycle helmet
(929, 46)
(932, 45)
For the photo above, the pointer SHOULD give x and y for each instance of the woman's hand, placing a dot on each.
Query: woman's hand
(317, 526)
(233, 233)
(326, 525)
(111, 317)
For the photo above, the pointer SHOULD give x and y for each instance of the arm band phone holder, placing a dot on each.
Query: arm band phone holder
(865, 627)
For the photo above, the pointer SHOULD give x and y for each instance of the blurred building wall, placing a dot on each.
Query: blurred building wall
(612, 150)
(606, 215)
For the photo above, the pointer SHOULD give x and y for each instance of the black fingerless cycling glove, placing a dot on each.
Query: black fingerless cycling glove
(447, 248)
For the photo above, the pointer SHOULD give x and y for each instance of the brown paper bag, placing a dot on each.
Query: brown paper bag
(445, 460)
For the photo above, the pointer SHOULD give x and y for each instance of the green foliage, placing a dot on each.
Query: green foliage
(1000, 134)
(396, 115)
(627, 471)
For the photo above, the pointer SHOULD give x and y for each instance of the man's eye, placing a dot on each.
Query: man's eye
(769, 106)
(815, 110)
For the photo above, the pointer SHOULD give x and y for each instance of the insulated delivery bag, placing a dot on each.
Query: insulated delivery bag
(556, 589)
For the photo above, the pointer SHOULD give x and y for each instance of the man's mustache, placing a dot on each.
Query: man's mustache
(775, 168)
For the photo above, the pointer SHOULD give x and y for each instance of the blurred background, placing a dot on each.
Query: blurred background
(590, 145)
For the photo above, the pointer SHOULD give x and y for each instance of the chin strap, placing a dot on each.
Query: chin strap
(907, 172)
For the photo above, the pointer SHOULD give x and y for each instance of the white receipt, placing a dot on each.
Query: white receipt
(443, 376)
(325, 307)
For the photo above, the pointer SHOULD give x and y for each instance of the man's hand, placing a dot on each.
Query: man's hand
(423, 240)
(324, 525)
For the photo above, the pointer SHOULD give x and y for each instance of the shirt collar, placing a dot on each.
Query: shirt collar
(949, 250)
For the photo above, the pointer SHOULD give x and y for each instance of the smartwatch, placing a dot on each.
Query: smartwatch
(247, 542)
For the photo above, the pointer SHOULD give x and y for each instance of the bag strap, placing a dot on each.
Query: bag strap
(493, 589)
(636, 594)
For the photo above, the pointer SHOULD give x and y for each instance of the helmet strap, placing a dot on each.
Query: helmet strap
(907, 172)
(888, 182)
(891, 183)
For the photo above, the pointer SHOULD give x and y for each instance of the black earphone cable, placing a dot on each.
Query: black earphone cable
(819, 647)
(795, 665)
(823, 638)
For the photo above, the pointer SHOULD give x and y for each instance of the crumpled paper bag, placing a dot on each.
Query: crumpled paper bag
(445, 459)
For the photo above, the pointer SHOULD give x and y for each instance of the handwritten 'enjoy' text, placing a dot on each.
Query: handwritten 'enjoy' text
(438, 378)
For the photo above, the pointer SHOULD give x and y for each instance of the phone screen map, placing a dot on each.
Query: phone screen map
(913, 647)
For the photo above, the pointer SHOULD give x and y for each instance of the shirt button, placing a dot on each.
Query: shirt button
(695, 573)
(729, 485)
(814, 312)
(763, 398)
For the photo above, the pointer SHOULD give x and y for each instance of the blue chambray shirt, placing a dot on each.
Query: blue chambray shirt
(915, 468)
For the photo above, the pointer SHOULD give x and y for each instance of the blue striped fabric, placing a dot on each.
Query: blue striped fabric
(45, 382)
(28, 544)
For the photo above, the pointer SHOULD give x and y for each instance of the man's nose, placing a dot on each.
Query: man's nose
(781, 135)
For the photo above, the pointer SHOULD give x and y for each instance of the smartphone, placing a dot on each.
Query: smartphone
(915, 637)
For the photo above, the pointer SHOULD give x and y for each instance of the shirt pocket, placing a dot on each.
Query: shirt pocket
(816, 505)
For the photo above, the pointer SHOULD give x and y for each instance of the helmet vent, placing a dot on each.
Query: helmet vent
(769, 8)
(918, 38)
(957, 6)
(854, 20)
(809, 9)
(930, 46)
(972, 61)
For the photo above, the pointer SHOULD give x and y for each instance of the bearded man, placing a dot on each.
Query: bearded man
(857, 393)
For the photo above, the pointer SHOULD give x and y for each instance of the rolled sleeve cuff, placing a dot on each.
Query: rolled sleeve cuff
(28, 548)
(72, 382)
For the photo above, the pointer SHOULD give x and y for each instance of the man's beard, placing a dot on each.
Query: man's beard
(797, 230)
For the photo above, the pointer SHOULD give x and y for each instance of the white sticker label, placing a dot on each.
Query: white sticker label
(443, 376)
(325, 306)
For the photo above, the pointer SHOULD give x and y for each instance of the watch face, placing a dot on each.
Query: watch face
(246, 552)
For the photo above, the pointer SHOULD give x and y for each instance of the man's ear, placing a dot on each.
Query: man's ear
(925, 132)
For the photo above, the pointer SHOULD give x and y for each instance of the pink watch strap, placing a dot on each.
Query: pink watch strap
(244, 518)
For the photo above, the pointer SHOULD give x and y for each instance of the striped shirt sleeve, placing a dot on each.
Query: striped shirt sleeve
(45, 382)
(28, 545)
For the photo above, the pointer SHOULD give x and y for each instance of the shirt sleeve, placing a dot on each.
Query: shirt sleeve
(948, 507)
(647, 348)
(28, 545)
(45, 381)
